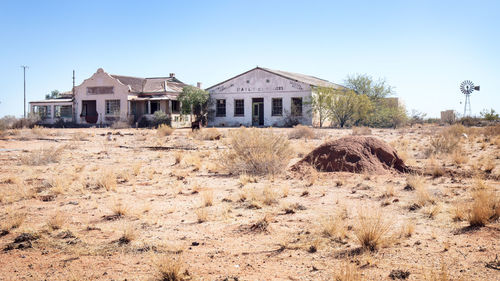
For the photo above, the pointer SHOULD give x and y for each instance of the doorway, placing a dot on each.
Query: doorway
(257, 112)
(89, 111)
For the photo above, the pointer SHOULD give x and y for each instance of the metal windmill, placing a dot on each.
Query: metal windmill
(467, 87)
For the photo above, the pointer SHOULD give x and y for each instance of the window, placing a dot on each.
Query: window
(277, 107)
(239, 107)
(99, 90)
(43, 111)
(63, 111)
(112, 107)
(296, 107)
(155, 106)
(221, 108)
(175, 106)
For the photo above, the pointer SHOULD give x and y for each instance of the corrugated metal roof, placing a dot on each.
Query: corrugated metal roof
(307, 79)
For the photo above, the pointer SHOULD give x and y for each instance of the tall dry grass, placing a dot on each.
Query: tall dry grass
(43, 156)
(372, 229)
(164, 130)
(256, 152)
(301, 131)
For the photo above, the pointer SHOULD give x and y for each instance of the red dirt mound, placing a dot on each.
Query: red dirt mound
(354, 154)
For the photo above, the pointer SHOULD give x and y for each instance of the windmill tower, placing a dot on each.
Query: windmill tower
(467, 87)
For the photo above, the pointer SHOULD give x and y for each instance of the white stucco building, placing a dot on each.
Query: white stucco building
(263, 97)
(104, 99)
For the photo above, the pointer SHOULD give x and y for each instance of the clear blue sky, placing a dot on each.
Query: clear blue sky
(423, 48)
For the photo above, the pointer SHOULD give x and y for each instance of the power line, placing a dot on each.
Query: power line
(24, 75)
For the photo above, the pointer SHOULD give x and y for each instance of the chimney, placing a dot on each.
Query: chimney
(172, 75)
(198, 84)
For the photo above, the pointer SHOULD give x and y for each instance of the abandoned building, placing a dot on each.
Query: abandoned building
(263, 97)
(105, 98)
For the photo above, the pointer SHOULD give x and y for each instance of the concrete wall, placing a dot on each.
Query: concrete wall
(259, 84)
(102, 79)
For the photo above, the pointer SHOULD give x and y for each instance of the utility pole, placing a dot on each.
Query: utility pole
(73, 106)
(24, 74)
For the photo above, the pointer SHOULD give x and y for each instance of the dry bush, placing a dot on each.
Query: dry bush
(256, 152)
(433, 168)
(129, 234)
(120, 125)
(459, 212)
(485, 207)
(446, 141)
(178, 157)
(169, 268)
(13, 221)
(301, 131)
(59, 184)
(348, 272)
(414, 182)
(372, 229)
(333, 226)
(193, 159)
(407, 229)
(269, 195)
(119, 209)
(207, 198)
(359, 131)
(207, 134)
(56, 221)
(107, 180)
(423, 196)
(164, 130)
(201, 214)
(440, 275)
(459, 157)
(244, 179)
(42, 156)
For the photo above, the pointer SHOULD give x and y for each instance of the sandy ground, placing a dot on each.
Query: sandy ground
(96, 177)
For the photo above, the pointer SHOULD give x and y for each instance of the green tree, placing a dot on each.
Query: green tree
(362, 110)
(364, 84)
(342, 108)
(320, 103)
(193, 100)
(53, 95)
(490, 116)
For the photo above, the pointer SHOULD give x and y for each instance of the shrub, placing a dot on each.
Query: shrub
(164, 130)
(484, 207)
(348, 272)
(207, 134)
(42, 156)
(256, 152)
(56, 221)
(169, 268)
(160, 117)
(301, 131)
(371, 229)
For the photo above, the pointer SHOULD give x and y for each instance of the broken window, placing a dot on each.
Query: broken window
(221, 108)
(175, 106)
(112, 107)
(43, 111)
(239, 107)
(99, 90)
(155, 106)
(63, 111)
(277, 107)
(296, 107)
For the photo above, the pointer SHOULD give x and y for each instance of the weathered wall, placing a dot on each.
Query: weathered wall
(101, 79)
(260, 84)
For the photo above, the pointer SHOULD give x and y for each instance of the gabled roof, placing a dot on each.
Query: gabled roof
(151, 85)
(307, 79)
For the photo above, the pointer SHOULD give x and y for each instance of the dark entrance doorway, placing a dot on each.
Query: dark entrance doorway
(257, 112)
(89, 111)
